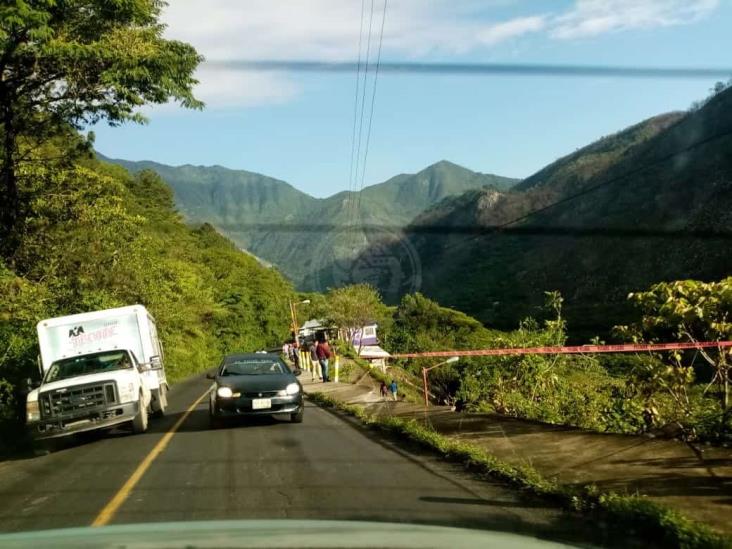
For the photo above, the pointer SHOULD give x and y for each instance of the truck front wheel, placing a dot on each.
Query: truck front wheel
(139, 424)
(160, 401)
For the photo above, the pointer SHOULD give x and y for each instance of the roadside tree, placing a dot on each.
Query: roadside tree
(687, 311)
(73, 63)
(352, 307)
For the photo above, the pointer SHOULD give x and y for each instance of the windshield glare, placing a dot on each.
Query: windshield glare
(253, 367)
(88, 364)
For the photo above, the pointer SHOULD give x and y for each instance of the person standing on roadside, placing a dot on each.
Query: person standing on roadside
(286, 349)
(315, 371)
(393, 388)
(296, 355)
(323, 353)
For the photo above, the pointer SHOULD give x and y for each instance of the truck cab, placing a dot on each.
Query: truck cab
(94, 391)
(92, 376)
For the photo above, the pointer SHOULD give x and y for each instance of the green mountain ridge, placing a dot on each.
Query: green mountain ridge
(222, 196)
(276, 222)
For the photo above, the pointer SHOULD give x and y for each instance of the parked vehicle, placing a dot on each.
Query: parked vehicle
(254, 384)
(98, 370)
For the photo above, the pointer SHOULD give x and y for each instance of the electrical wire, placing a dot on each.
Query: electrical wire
(351, 178)
(371, 113)
(356, 212)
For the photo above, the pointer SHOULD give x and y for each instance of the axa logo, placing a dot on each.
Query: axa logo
(76, 331)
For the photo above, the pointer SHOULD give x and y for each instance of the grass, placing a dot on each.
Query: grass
(647, 519)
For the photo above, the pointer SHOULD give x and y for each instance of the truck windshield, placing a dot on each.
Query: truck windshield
(88, 364)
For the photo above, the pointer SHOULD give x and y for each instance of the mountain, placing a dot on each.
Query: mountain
(650, 203)
(404, 196)
(226, 197)
(297, 232)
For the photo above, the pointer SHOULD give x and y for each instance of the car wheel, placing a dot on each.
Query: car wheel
(297, 416)
(139, 424)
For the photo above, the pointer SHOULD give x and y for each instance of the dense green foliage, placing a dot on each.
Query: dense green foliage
(73, 63)
(688, 311)
(254, 211)
(609, 393)
(96, 237)
(421, 325)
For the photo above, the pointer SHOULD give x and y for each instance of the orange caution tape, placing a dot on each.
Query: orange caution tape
(571, 350)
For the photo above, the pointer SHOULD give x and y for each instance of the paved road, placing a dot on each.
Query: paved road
(324, 468)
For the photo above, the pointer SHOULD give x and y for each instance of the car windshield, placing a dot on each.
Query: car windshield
(88, 364)
(251, 367)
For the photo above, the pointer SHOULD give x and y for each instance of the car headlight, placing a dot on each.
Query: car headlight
(292, 389)
(32, 411)
(225, 392)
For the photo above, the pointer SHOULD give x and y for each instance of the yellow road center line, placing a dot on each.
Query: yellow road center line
(106, 514)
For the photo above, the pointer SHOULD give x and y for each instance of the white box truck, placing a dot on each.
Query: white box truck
(98, 370)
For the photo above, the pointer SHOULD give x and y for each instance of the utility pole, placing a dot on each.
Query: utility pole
(293, 316)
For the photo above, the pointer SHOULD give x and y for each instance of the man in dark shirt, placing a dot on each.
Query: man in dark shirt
(323, 353)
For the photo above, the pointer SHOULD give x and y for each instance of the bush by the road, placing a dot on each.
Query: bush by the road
(620, 393)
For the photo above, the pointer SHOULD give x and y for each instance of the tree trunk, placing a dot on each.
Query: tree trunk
(10, 202)
(725, 399)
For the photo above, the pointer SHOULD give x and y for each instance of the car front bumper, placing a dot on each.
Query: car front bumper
(242, 406)
(88, 421)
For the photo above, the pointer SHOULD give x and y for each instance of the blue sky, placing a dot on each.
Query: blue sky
(298, 127)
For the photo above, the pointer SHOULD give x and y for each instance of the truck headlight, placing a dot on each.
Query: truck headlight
(126, 393)
(32, 411)
(292, 389)
(225, 392)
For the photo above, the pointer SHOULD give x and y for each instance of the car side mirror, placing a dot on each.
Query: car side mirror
(32, 384)
(156, 363)
(210, 376)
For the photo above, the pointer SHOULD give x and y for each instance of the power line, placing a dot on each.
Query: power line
(363, 105)
(478, 69)
(351, 180)
(371, 113)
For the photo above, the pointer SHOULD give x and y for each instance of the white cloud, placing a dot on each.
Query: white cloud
(593, 17)
(329, 29)
(511, 29)
(229, 88)
(323, 30)
(224, 30)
